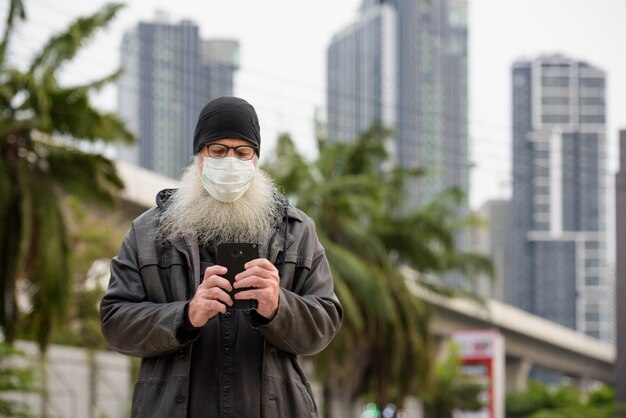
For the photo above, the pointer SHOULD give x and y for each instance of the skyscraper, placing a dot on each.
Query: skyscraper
(169, 74)
(361, 76)
(403, 64)
(558, 263)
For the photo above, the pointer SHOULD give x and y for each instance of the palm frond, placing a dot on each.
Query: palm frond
(352, 312)
(16, 10)
(64, 46)
(50, 276)
(365, 282)
(89, 176)
(70, 113)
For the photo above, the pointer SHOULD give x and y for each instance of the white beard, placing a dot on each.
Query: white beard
(193, 212)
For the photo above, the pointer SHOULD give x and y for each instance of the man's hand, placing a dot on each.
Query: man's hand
(211, 297)
(262, 277)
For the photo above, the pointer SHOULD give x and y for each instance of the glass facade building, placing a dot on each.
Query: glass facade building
(403, 64)
(558, 261)
(169, 75)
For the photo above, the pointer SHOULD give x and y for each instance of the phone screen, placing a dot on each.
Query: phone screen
(233, 256)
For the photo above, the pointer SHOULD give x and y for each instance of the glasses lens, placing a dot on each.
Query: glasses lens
(244, 152)
(217, 150)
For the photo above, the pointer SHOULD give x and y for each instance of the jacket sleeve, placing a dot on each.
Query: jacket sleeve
(132, 324)
(308, 319)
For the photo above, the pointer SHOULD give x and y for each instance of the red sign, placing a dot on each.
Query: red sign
(482, 356)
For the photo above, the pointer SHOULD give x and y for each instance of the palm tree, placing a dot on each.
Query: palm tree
(36, 167)
(357, 201)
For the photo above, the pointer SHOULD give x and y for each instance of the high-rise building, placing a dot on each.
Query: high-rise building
(403, 64)
(492, 240)
(558, 264)
(620, 291)
(361, 77)
(169, 75)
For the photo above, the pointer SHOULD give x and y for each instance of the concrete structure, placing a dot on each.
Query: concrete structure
(169, 75)
(492, 240)
(620, 293)
(529, 340)
(79, 383)
(558, 225)
(403, 64)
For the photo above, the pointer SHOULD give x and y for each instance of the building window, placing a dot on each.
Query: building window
(555, 100)
(592, 118)
(592, 316)
(592, 245)
(592, 82)
(548, 81)
(593, 101)
(555, 118)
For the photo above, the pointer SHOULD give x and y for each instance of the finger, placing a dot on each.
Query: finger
(255, 282)
(205, 303)
(259, 271)
(216, 281)
(214, 270)
(201, 310)
(255, 294)
(214, 293)
(260, 262)
(223, 297)
(218, 305)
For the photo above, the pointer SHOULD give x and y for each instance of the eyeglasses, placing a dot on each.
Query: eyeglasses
(242, 152)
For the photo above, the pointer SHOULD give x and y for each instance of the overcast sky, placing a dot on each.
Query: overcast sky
(283, 57)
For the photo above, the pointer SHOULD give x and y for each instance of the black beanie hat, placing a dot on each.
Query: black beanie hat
(227, 117)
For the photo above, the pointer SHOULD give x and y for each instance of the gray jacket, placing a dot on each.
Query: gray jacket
(143, 307)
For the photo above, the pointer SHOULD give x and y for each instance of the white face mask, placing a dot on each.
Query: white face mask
(227, 179)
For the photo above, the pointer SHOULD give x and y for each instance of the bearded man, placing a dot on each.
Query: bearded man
(169, 303)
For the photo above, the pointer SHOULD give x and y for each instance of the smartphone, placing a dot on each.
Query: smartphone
(233, 256)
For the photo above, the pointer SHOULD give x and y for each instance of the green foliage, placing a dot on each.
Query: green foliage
(451, 390)
(95, 238)
(14, 379)
(36, 168)
(535, 397)
(539, 401)
(357, 200)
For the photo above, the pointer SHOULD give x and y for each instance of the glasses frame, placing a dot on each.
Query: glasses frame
(207, 146)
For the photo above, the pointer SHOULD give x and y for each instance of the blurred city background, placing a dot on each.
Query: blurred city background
(508, 118)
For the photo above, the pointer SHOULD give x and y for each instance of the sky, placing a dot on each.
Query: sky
(283, 59)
